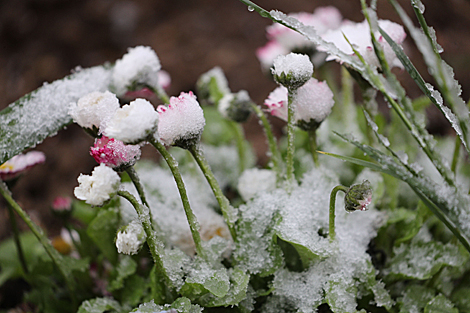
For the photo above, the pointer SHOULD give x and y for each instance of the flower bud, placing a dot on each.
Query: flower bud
(182, 122)
(236, 106)
(99, 187)
(132, 123)
(292, 70)
(114, 153)
(130, 238)
(212, 86)
(358, 197)
(137, 69)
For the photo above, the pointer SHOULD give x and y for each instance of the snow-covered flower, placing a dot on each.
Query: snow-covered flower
(236, 106)
(358, 197)
(99, 187)
(114, 153)
(212, 85)
(94, 108)
(182, 122)
(130, 238)
(358, 35)
(313, 102)
(283, 40)
(133, 122)
(292, 70)
(254, 181)
(138, 68)
(20, 163)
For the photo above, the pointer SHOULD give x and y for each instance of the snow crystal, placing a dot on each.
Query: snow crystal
(254, 181)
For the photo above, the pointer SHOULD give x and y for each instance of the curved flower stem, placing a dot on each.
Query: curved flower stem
(240, 140)
(312, 138)
(16, 238)
(290, 139)
(192, 220)
(273, 148)
(138, 186)
(229, 213)
(57, 259)
(331, 226)
(155, 245)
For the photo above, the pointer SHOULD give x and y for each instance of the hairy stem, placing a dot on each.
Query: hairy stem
(331, 226)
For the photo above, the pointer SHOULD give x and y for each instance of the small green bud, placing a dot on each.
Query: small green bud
(358, 197)
(292, 70)
(236, 106)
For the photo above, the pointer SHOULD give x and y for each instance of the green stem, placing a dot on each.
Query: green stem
(192, 220)
(156, 246)
(274, 152)
(331, 226)
(229, 213)
(57, 259)
(455, 157)
(161, 94)
(240, 140)
(312, 138)
(138, 186)
(16, 238)
(290, 139)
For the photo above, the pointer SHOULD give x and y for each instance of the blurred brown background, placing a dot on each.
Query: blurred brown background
(42, 40)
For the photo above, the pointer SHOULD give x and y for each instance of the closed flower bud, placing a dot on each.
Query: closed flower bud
(182, 122)
(292, 70)
(93, 109)
(133, 123)
(358, 197)
(137, 69)
(212, 86)
(130, 238)
(99, 187)
(236, 106)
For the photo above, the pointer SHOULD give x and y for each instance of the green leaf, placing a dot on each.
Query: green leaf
(99, 305)
(422, 260)
(135, 289)
(415, 298)
(125, 268)
(42, 113)
(340, 294)
(102, 230)
(440, 304)
(461, 299)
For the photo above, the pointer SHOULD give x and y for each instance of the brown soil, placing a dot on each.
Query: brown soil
(42, 40)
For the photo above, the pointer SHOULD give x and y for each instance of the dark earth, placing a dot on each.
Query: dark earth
(42, 40)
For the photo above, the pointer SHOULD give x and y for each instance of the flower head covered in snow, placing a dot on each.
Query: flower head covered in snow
(212, 86)
(114, 153)
(94, 109)
(130, 238)
(99, 187)
(292, 70)
(132, 123)
(283, 40)
(20, 163)
(236, 106)
(137, 69)
(358, 35)
(313, 103)
(358, 197)
(182, 122)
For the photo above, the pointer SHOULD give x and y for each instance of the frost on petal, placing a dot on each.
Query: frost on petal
(99, 187)
(20, 163)
(292, 70)
(139, 67)
(133, 122)
(94, 108)
(267, 53)
(114, 153)
(277, 103)
(182, 121)
(130, 238)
